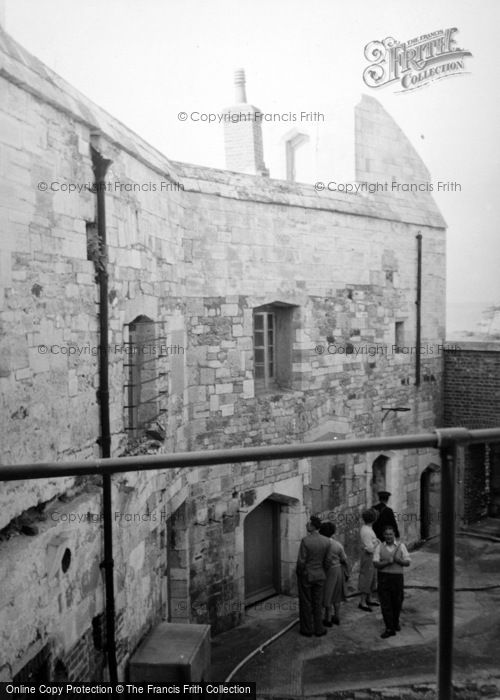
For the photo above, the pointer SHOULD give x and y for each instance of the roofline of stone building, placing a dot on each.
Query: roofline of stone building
(233, 185)
(27, 72)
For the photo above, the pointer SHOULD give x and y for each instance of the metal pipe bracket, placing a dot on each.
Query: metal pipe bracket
(447, 437)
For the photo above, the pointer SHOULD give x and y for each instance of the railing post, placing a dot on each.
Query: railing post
(448, 443)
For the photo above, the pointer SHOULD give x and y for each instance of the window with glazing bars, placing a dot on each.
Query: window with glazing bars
(264, 324)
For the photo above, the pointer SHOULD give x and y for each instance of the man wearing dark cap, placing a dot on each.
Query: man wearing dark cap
(313, 562)
(385, 516)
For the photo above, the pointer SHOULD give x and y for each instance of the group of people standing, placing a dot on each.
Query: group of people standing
(323, 569)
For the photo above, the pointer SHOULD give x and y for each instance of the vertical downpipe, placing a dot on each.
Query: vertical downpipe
(450, 442)
(446, 572)
(101, 166)
(418, 309)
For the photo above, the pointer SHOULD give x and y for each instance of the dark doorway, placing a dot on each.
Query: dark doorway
(378, 476)
(177, 567)
(430, 489)
(494, 464)
(262, 555)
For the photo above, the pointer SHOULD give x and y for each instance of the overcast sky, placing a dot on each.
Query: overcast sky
(144, 61)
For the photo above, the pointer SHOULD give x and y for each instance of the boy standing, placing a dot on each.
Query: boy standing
(390, 559)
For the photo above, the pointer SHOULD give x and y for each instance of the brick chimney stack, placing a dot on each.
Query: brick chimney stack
(243, 133)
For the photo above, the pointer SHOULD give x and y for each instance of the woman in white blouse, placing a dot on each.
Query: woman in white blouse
(367, 583)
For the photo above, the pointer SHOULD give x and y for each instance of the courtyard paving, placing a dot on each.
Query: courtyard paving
(353, 659)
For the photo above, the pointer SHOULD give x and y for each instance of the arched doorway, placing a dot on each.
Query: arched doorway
(430, 489)
(379, 476)
(262, 552)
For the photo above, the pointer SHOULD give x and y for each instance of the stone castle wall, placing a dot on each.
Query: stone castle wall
(195, 250)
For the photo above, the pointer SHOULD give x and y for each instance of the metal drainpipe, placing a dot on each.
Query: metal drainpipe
(101, 166)
(419, 312)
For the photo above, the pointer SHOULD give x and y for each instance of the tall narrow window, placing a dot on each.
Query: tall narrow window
(399, 336)
(272, 345)
(142, 385)
(264, 347)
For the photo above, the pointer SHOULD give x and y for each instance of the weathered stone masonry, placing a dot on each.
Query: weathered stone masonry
(197, 259)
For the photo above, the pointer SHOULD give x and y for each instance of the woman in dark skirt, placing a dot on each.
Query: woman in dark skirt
(334, 584)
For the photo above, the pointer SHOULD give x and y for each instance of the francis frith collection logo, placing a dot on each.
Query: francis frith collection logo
(416, 62)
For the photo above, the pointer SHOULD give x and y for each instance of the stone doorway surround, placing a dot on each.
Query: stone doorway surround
(292, 519)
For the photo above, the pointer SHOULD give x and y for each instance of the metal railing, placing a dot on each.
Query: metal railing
(448, 441)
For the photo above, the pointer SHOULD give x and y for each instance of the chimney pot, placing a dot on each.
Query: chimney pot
(239, 84)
